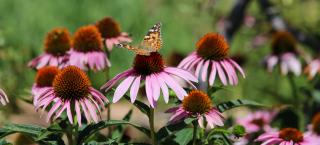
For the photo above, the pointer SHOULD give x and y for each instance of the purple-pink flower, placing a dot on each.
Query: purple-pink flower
(71, 89)
(257, 121)
(111, 32)
(197, 104)
(57, 43)
(211, 59)
(43, 81)
(284, 53)
(87, 52)
(156, 76)
(3, 98)
(286, 136)
(314, 128)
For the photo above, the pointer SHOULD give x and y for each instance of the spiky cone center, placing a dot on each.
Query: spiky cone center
(46, 75)
(146, 65)
(71, 83)
(212, 46)
(197, 102)
(289, 134)
(57, 42)
(108, 28)
(316, 124)
(87, 39)
(282, 42)
(259, 122)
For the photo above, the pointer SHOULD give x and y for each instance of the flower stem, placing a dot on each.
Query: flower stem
(109, 118)
(294, 90)
(151, 123)
(195, 128)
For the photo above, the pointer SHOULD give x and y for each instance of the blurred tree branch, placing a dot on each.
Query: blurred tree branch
(278, 24)
(235, 18)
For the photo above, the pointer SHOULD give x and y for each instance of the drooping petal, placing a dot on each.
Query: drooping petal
(164, 89)
(205, 71)
(180, 92)
(92, 110)
(134, 89)
(199, 66)
(53, 109)
(213, 73)
(155, 87)
(78, 112)
(222, 76)
(238, 67)
(122, 88)
(149, 91)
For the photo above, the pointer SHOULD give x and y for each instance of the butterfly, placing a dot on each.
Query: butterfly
(152, 42)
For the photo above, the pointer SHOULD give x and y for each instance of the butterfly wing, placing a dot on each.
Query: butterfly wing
(137, 50)
(153, 41)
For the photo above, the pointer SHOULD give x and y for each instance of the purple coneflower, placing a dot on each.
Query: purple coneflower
(155, 74)
(314, 128)
(111, 32)
(43, 81)
(286, 136)
(57, 43)
(197, 104)
(284, 52)
(87, 52)
(211, 58)
(71, 89)
(3, 97)
(257, 121)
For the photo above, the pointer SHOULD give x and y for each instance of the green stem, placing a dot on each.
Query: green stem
(151, 123)
(195, 128)
(294, 90)
(109, 118)
(69, 136)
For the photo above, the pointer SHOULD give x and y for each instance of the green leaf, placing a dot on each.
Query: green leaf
(184, 136)
(119, 131)
(169, 130)
(145, 109)
(93, 128)
(37, 133)
(222, 107)
(31, 130)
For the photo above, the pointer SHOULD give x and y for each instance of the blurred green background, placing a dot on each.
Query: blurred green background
(23, 25)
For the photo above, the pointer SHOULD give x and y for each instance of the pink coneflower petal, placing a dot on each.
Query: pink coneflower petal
(227, 70)
(53, 109)
(149, 91)
(3, 97)
(187, 60)
(182, 73)
(200, 121)
(155, 87)
(164, 89)
(314, 67)
(199, 66)
(122, 88)
(173, 85)
(114, 80)
(221, 73)
(92, 111)
(78, 112)
(212, 74)
(69, 114)
(134, 89)
(86, 113)
(238, 67)
(205, 70)
(284, 68)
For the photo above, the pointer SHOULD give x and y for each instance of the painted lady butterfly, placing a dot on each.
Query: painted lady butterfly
(152, 42)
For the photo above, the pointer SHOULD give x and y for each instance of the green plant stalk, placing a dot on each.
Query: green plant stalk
(294, 91)
(151, 123)
(195, 128)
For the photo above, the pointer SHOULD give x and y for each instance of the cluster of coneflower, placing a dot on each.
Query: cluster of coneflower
(63, 86)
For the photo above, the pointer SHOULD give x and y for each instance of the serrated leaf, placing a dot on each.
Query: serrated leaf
(222, 107)
(184, 136)
(31, 130)
(93, 128)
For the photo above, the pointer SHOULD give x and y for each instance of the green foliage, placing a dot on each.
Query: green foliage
(222, 107)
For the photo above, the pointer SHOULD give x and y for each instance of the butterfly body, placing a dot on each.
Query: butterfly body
(152, 42)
